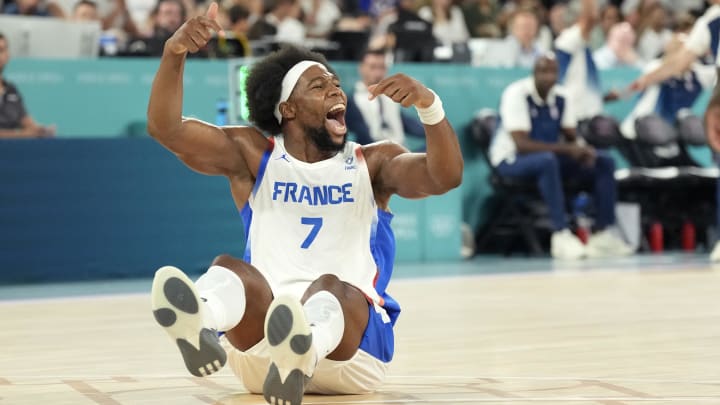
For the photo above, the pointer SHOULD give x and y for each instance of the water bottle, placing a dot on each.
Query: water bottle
(108, 44)
(583, 222)
(221, 108)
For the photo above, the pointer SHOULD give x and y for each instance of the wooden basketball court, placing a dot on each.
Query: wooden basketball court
(624, 334)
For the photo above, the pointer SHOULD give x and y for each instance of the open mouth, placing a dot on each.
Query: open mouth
(335, 119)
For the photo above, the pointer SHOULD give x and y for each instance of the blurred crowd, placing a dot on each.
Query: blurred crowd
(628, 33)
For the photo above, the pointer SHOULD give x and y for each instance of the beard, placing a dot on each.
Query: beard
(322, 140)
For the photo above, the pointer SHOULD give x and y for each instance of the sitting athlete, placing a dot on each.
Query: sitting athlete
(306, 308)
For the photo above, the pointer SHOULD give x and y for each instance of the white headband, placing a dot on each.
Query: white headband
(290, 80)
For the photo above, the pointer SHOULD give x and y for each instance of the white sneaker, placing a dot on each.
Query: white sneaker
(176, 307)
(715, 255)
(605, 244)
(292, 356)
(566, 246)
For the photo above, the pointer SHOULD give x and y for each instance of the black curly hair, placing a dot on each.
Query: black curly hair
(265, 79)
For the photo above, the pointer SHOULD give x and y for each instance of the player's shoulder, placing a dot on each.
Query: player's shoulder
(248, 137)
(377, 153)
(519, 88)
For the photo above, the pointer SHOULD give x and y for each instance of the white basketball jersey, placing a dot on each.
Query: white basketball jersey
(304, 220)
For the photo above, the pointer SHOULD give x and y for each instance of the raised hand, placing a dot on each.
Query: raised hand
(195, 33)
(403, 89)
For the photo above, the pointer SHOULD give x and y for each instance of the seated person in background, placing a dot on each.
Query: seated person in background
(522, 39)
(167, 17)
(15, 122)
(380, 118)
(234, 44)
(280, 23)
(619, 50)
(410, 36)
(667, 98)
(533, 114)
(447, 20)
(578, 73)
(35, 8)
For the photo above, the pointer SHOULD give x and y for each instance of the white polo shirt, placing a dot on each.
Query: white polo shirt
(578, 73)
(705, 35)
(666, 99)
(520, 106)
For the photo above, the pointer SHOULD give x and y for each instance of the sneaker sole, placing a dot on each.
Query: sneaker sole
(176, 307)
(290, 341)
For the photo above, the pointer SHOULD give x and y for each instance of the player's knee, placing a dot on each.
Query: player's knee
(326, 282)
(224, 260)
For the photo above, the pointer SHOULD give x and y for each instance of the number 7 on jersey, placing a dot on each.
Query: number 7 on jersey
(316, 223)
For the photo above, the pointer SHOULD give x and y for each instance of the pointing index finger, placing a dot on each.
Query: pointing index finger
(378, 88)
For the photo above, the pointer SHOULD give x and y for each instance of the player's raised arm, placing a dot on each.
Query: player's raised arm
(202, 146)
(414, 175)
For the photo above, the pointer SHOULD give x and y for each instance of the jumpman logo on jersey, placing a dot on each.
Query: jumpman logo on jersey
(283, 156)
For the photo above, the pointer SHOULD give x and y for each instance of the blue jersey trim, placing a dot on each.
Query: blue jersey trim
(378, 339)
(714, 27)
(263, 165)
(563, 60)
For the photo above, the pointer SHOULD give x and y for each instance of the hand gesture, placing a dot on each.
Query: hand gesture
(640, 84)
(403, 89)
(195, 33)
(585, 155)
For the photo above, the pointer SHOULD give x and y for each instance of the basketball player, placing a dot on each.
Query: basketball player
(703, 39)
(306, 309)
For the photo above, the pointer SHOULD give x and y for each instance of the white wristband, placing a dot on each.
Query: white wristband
(433, 114)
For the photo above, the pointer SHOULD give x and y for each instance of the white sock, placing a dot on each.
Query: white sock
(223, 296)
(325, 316)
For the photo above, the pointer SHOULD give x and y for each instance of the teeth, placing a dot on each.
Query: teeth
(337, 107)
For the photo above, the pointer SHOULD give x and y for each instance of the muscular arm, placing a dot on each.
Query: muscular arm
(673, 65)
(203, 147)
(416, 175)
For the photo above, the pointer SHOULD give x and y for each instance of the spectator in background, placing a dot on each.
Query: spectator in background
(522, 41)
(169, 15)
(558, 20)
(34, 8)
(380, 118)
(534, 113)
(480, 18)
(320, 17)
(667, 98)
(15, 122)
(653, 33)
(702, 40)
(85, 10)
(447, 21)
(577, 70)
(281, 23)
(410, 36)
(609, 16)
(235, 43)
(619, 50)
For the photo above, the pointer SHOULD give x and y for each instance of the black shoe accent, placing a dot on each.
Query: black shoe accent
(210, 351)
(279, 325)
(180, 295)
(289, 392)
(300, 344)
(165, 316)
